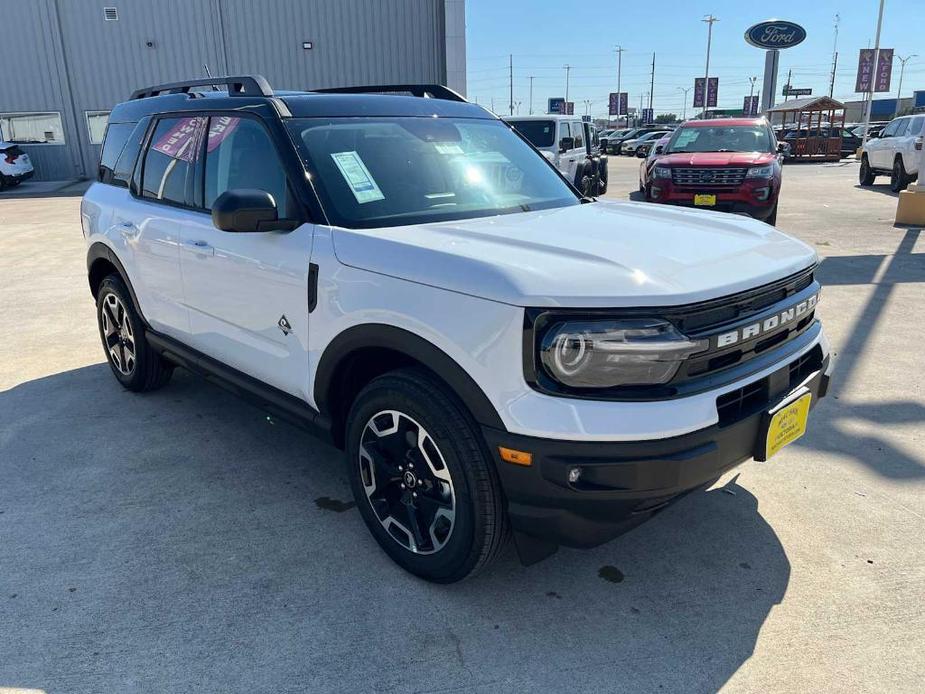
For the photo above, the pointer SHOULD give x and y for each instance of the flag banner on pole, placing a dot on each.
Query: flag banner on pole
(865, 70)
(699, 91)
(712, 91)
(884, 70)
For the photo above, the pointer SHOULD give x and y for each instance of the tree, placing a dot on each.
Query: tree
(666, 118)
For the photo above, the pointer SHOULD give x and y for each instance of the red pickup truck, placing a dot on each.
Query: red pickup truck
(732, 165)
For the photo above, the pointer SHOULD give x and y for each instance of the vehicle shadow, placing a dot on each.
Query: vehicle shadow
(882, 188)
(831, 426)
(182, 540)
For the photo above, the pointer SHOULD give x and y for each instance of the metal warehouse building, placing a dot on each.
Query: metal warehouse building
(65, 63)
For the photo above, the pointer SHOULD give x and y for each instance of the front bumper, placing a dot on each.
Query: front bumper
(624, 483)
(19, 177)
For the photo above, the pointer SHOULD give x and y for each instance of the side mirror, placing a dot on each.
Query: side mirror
(566, 143)
(781, 147)
(659, 149)
(248, 210)
(875, 135)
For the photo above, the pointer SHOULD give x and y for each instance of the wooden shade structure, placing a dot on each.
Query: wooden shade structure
(818, 121)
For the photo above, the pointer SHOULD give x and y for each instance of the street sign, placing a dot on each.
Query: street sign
(794, 91)
(775, 34)
(750, 106)
(617, 104)
(556, 104)
(867, 76)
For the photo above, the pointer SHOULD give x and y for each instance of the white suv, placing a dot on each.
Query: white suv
(408, 278)
(15, 165)
(896, 152)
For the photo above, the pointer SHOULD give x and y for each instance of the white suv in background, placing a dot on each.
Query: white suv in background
(408, 278)
(15, 165)
(896, 151)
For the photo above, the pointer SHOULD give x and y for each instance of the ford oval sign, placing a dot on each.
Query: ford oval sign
(774, 34)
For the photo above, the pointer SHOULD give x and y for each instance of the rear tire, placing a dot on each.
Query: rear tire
(866, 176)
(406, 418)
(132, 360)
(898, 179)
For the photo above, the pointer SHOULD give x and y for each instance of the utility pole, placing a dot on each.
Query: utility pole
(510, 68)
(531, 95)
(834, 56)
(652, 84)
(567, 70)
(682, 89)
(870, 94)
(751, 91)
(619, 51)
(899, 93)
(709, 19)
(787, 86)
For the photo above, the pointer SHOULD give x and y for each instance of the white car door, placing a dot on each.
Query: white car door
(247, 293)
(879, 149)
(567, 163)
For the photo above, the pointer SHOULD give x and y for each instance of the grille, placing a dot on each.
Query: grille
(714, 176)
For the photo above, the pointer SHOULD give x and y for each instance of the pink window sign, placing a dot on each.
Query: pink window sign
(178, 142)
(219, 129)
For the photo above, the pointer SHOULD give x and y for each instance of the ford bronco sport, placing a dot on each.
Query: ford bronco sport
(401, 272)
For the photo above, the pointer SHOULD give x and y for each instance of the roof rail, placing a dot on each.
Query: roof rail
(243, 85)
(427, 91)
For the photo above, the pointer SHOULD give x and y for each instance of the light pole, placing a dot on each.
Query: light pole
(619, 51)
(684, 107)
(517, 107)
(751, 92)
(902, 69)
(588, 103)
(531, 95)
(870, 94)
(709, 19)
(567, 70)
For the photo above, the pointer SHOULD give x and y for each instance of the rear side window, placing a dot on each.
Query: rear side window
(117, 135)
(125, 164)
(918, 124)
(240, 154)
(168, 159)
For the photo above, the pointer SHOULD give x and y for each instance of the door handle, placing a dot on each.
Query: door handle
(199, 247)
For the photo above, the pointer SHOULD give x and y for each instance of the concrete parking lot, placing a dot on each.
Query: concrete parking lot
(182, 541)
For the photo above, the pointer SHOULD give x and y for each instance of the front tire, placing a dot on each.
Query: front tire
(866, 176)
(422, 478)
(132, 360)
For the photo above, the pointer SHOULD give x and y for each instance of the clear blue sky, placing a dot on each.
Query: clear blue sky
(544, 35)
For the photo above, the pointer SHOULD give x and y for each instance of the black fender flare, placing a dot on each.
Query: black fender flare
(100, 251)
(371, 335)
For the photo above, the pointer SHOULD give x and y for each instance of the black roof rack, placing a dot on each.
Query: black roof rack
(244, 85)
(427, 91)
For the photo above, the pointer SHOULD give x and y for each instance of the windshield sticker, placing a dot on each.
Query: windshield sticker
(357, 176)
(448, 148)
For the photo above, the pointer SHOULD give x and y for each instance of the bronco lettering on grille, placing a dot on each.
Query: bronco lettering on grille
(767, 324)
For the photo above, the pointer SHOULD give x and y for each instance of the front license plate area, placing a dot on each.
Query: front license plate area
(705, 199)
(783, 424)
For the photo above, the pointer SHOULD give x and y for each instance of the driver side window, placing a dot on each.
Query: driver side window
(240, 154)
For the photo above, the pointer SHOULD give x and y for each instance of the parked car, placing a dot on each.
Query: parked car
(896, 152)
(731, 165)
(645, 145)
(615, 143)
(607, 134)
(411, 280)
(873, 129)
(645, 168)
(15, 165)
(564, 141)
(634, 146)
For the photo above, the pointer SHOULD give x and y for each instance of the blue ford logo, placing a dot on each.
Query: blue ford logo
(775, 33)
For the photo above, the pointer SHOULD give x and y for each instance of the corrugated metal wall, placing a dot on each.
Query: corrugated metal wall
(62, 55)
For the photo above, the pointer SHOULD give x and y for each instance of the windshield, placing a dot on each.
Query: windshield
(372, 172)
(721, 138)
(540, 133)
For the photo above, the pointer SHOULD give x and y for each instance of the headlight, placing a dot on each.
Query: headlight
(661, 172)
(610, 353)
(760, 172)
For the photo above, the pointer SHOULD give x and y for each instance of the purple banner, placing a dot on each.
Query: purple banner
(750, 106)
(618, 103)
(699, 89)
(865, 70)
(884, 70)
(712, 91)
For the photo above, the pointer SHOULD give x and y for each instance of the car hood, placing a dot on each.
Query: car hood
(718, 158)
(603, 254)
